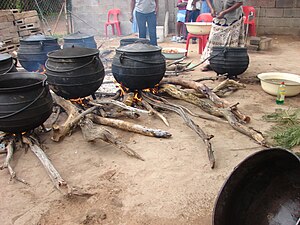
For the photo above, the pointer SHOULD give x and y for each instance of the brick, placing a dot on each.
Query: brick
(298, 3)
(252, 47)
(33, 19)
(265, 44)
(255, 40)
(291, 12)
(6, 25)
(28, 26)
(274, 12)
(265, 3)
(24, 15)
(6, 18)
(284, 3)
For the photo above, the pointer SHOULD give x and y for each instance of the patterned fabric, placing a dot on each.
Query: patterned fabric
(230, 35)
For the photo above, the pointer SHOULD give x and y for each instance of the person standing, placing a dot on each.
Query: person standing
(146, 11)
(181, 16)
(204, 7)
(227, 27)
(192, 12)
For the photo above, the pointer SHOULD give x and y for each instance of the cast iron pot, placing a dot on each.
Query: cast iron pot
(262, 190)
(128, 41)
(25, 101)
(79, 39)
(74, 72)
(7, 64)
(232, 61)
(138, 66)
(32, 53)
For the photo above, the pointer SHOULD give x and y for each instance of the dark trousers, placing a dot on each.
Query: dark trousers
(145, 20)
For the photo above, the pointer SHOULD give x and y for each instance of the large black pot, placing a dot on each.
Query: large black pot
(79, 39)
(138, 66)
(128, 41)
(33, 51)
(262, 190)
(25, 101)
(74, 72)
(7, 64)
(232, 61)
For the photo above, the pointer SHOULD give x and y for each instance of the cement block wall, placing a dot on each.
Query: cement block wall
(273, 16)
(277, 16)
(90, 15)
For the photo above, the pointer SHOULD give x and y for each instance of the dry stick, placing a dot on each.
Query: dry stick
(56, 178)
(119, 104)
(175, 108)
(219, 112)
(132, 127)
(220, 103)
(153, 111)
(191, 98)
(91, 132)
(128, 114)
(60, 131)
(10, 151)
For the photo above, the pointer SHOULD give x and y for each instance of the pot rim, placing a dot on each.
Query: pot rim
(265, 76)
(40, 79)
(93, 53)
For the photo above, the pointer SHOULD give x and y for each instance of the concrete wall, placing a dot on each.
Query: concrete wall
(273, 16)
(277, 16)
(89, 16)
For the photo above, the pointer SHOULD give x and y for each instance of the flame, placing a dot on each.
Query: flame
(80, 101)
(41, 69)
(137, 97)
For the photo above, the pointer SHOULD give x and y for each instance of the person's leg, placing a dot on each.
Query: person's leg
(141, 22)
(151, 22)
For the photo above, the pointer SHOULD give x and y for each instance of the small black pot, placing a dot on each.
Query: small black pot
(138, 66)
(231, 61)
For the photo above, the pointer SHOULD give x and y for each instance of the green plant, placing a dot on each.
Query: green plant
(286, 131)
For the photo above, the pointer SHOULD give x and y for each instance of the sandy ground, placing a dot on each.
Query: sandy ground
(174, 186)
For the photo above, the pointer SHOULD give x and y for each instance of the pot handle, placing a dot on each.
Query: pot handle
(123, 56)
(27, 106)
(42, 45)
(11, 66)
(77, 68)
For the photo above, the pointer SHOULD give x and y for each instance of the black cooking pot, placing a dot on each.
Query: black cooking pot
(232, 61)
(25, 101)
(79, 39)
(138, 66)
(33, 50)
(128, 41)
(74, 72)
(7, 64)
(262, 190)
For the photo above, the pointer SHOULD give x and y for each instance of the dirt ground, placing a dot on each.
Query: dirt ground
(174, 186)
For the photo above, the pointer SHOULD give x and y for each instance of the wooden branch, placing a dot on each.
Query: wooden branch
(177, 109)
(220, 103)
(220, 112)
(9, 154)
(128, 114)
(119, 104)
(54, 175)
(153, 111)
(132, 127)
(74, 116)
(91, 133)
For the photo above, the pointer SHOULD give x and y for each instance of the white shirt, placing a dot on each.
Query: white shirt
(190, 7)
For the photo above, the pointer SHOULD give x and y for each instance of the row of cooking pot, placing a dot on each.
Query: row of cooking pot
(25, 100)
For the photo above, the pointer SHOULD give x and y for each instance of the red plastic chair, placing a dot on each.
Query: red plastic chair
(248, 10)
(204, 17)
(115, 21)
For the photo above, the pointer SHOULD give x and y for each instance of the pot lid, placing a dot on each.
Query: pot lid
(77, 35)
(4, 56)
(74, 52)
(139, 47)
(39, 37)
